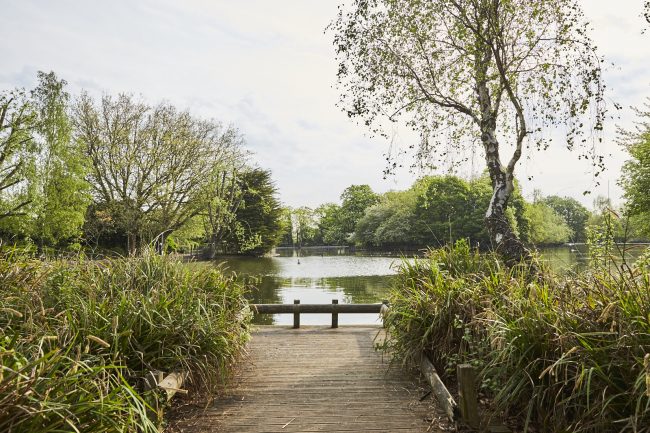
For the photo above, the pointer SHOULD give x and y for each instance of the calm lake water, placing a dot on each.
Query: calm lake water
(318, 276)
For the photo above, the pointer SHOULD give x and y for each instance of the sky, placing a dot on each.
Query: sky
(268, 68)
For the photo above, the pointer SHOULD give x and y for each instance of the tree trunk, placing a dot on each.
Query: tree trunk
(161, 244)
(132, 243)
(212, 247)
(506, 242)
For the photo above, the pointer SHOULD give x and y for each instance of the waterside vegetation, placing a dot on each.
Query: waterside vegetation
(78, 337)
(554, 353)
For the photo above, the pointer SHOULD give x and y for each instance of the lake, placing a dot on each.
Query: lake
(319, 275)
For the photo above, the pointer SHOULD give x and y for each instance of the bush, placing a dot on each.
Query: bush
(565, 353)
(78, 336)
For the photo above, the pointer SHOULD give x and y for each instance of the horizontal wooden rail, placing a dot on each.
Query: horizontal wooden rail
(315, 308)
(334, 309)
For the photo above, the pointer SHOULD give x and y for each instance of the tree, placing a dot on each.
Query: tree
(150, 164)
(107, 225)
(606, 221)
(450, 208)
(194, 149)
(60, 189)
(547, 226)
(188, 238)
(304, 226)
(572, 212)
(224, 193)
(17, 153)
(259, 218)
(355, 200)
(442, 208)
(391, 222)
(220, 215)
(287, 235)
(434, 211)
(330, 225)
(635, 178)
(466, 71)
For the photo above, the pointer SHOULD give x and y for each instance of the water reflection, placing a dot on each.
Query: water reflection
(317, 277)
(347, 290)
(566, 258)
(350, 290)
(575, 258)
(314, 266)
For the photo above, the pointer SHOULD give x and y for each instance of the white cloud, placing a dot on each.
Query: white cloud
(268, 68)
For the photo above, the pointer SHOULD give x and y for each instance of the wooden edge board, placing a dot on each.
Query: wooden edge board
(439, 389)
(172, 384)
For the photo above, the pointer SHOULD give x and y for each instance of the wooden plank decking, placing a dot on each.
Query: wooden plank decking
(316, 379)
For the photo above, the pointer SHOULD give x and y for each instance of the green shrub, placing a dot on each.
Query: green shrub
(567, 353)
(78, 336)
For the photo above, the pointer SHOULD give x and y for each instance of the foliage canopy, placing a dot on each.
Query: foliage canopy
(466, 71)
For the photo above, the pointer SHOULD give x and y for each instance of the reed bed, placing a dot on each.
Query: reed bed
(77, 337)
(555, 353)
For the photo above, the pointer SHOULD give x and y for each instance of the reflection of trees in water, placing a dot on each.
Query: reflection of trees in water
(263, 290)
(576, 257)
(356, 290)
(562, 259)
(362, 290)
(313, 251)
(250, 265)
(260, 274)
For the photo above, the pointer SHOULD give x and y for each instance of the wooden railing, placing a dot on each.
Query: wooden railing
(334, 309)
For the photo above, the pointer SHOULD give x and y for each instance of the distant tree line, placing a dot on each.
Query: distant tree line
(442, 209)
(119, 173)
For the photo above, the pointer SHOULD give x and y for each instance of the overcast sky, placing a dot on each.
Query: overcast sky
(268, 68)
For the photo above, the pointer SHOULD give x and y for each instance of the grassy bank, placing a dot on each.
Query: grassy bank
(559, 354)
(77, 337)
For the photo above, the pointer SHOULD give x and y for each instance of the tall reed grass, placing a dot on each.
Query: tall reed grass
(560, 353)
(77, 337)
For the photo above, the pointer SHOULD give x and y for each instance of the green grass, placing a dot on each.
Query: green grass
(562, 354)
(77, 337)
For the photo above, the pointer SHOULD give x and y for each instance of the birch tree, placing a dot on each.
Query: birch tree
(474, 72)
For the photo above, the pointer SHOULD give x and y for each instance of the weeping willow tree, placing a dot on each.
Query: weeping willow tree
(463, 73)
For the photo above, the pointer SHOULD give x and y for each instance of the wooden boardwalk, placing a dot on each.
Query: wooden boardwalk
(316, 379)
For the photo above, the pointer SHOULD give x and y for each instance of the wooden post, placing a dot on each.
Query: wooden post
(383, 311)
(468, 398)
(296, 315)
(335, 316)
